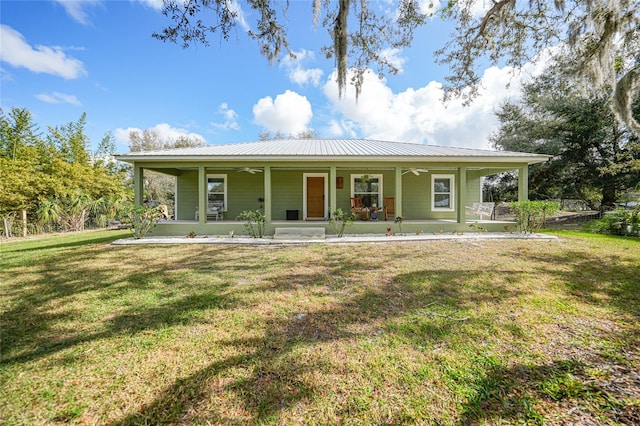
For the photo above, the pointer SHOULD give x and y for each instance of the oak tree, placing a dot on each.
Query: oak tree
(596, 40)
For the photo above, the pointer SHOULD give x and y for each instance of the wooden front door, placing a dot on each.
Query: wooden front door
(315, 197)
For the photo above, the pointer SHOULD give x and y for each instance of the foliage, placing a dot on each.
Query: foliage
(590, 41)
(399, 221)
(255, 222)
(359, 31)
(151, 140)
(70, 141)
(594, 158)
(266, 135)
(531, 215)
(618, 222)
(143, 220)
(341, 219)
(18, 133)
(159, 187)
(54, 178)
(476, 227)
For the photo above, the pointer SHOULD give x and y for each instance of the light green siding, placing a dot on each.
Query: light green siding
(243, 191)
(287, 192)
(474, 190)
(187, 195)
(416, 196)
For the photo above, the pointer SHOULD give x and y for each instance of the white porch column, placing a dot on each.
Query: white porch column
(333, 174)
(523, 183)
(267, 194)
(398, 201)
(462, 196)
(202, 195)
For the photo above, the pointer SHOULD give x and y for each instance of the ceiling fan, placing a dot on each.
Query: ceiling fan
(249, 170)
(415, 171)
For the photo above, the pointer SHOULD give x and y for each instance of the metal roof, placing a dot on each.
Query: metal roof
(330, 149)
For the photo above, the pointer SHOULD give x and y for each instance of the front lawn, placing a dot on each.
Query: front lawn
(435, 332)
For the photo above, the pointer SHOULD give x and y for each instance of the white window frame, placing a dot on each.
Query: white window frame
(452, 192)
(380, 191)
(218, 176)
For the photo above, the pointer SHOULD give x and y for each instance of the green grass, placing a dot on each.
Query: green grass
(439, 332)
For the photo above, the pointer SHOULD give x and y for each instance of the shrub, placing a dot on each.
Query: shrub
(255, 222)
(531, 215)
(618, 222)
(399, 221)
(143, 219)
(340, 220)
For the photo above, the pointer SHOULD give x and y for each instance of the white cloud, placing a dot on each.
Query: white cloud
(335, 129)
(393, 58)
(429, 6)
(77, 9)
(41, 59)
(235, 7)
(164, 131)
(59, 98)
(290, 113)
(479, 7)
(230, 118)
(154, 4)
(419, 115)
(298, 74)
(304, 76)
(5, 75)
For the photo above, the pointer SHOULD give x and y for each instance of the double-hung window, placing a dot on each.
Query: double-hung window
(442, 192)
(369, 188)
(216, 193)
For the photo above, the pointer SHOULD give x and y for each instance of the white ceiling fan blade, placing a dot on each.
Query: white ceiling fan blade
(249, 170)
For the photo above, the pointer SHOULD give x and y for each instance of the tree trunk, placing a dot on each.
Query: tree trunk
(7, 227)
(24, 223)
(609, 195)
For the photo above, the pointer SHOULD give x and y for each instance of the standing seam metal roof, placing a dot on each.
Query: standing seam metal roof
(327, 148)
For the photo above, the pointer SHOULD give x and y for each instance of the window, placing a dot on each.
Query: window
(442, 192)
(216, 193)
(367, 187)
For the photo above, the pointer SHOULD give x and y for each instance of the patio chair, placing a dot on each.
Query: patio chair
(359, 209)
(214, 211)
(389, 208)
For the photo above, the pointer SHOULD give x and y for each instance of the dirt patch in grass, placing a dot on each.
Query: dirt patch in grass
(439, 332)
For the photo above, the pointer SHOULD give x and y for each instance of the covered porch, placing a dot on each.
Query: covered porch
(430, 197)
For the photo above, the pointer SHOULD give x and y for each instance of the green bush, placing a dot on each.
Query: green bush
(618, 222)
(340, 220)
(255, 222)
(531, 215)
(143, 219)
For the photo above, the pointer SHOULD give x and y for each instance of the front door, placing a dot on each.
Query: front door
(315, 197)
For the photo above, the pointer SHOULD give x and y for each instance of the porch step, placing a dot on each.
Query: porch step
(297, 233)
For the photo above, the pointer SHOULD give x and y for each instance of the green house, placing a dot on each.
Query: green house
(298, 183)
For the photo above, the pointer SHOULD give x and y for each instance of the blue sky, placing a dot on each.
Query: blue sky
(61, 58)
